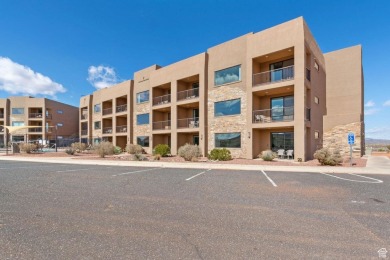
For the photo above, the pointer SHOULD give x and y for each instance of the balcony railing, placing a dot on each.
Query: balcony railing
(107, 130)
(35, 130)
(162, 100)
(307, 114)
(162, 125)
(272, 76)
(84, 132)
(188, 94)
(35, 115)
(121, 129)
(188, 122)
(308, 75)
(84, 116)
(278, 114)
(1, 115)
(121, 108)
(107, 111)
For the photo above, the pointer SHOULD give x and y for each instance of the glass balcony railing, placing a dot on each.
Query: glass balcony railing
(162, 100)
(107, 130)
(188, 122)
(121, 129)
(162, 125)
(35, 115)
(272, 76)
(121, 108)
(188, 94)
(277, 114)
(107, 111)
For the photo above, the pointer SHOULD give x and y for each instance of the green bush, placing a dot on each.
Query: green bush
(267, 155)
(27, 148)
(162, 149)
(70, 151)
(78, 147)
(117, 150)
(134, 149)
(326, 157)
(189, 151)
(220, 154)
(104, 148)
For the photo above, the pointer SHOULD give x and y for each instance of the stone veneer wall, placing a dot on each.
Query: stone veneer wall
(337, 138)
(228, 124)
(142, 130)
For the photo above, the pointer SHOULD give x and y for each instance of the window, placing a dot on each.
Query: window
(316, 134)
(143, 141)
(17, 111)
(60, 124)
(143, 119)
(228, 75)
(97, 125)
(316, 100)
(282, 108)
(96, 108)
(59, 112)
(229, 140)
(283, 140)
(17, 123)
(143, 97)
(97, 140)
(226, 108)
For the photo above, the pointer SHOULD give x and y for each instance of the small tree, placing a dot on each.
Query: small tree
(104, 148)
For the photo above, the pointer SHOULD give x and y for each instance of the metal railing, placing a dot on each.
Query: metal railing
(107, 111)
(188, 122)
(162, 100)
(161, 125)
(84, 132)
(308, 75)
(278, 114)
(271, 76)
(35, 115)
(121, 108)
(121, 129)
(84, 116)
(188, 94)
(107, 130)
(38, 129)
(307, 114)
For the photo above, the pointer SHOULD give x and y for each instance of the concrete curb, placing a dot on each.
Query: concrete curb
(316, 169)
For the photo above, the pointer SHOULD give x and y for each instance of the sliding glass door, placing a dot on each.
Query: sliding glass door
(282, 140)
(282, 108)
(281, 70)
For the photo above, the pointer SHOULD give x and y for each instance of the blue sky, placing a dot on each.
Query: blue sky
(66, 49)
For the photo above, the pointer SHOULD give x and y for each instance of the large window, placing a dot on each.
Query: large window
(96, 108)
(227, 108)
(17, 123)
(143, 119)
(228, 75)
(283, 140)
(143, 141)
(143, 97)
(282, 108)
(17, 111)
(97, 125)
(229, 140)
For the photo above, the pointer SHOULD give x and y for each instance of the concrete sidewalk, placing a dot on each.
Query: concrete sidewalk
(374, 165)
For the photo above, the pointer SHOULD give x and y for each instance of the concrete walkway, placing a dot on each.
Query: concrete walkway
(375, 165)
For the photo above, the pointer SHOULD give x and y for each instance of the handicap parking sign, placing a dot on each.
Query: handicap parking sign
(351, 138)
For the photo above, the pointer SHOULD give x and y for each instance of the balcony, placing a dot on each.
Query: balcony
(35, 115)
(84, 132)
(38, 129)
(121, 108)
(307, 114)
(165, 99)
(162, 125)
(278, 114)
(84, 116)
(273, 76)
(188, 122)
(107, 130)
(188, 94)
(121, 129)
(107, 111)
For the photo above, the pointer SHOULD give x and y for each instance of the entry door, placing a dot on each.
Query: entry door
(195, 139)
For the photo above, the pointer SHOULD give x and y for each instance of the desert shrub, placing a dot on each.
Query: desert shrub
(162, 149)
(27, 148)
(134, 149)
(267, 155)
(78, 147)
(220, 154)
(117, 150)
(326, 157)
(189, 151)
(70, 151)
(104, 148)
(140, 157)
(157, 157)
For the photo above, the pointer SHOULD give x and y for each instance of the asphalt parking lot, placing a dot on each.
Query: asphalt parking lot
(63, 211)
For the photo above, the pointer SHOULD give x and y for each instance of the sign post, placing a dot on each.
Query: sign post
(351, 141)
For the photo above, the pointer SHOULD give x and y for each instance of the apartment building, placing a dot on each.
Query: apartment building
(273, 89)
(107, 115)
(50, 117)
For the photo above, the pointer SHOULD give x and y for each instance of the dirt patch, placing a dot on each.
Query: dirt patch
(380, 154)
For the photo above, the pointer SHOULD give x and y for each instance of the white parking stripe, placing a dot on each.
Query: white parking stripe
(135, 172)
(270, 180)
(197, 175)
(375, 180)
(77, 170)
(30, 167)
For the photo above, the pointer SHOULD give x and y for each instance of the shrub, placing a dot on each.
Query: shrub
(140, 157)
(162, 149)
(189, 151)
(70, 151)
(104, 148)
(267, 155)
(27, 148)
(157, 157)
(134, 149)
(78, 147)
(220, 154)
(326, 157)
(117, 150)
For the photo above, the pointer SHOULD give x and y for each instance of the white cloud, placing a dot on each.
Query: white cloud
(387, 103)
(370, 104)
(102, 76)
(371, 111)
(378, 132)
(19, 79)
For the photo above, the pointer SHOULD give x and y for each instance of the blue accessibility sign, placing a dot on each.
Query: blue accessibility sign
(351, 138)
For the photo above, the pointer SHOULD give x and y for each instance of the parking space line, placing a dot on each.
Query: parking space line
(125, 173)
(196, 175)
(270, 180)
(30, 167)
(84, 169)
(375, 181)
